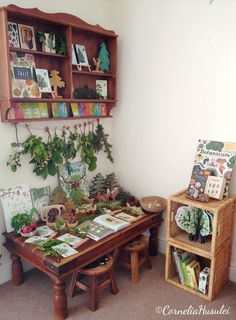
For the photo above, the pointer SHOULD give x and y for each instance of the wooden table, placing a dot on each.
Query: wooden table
(87, 252)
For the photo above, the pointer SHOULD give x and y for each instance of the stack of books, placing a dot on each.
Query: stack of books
(188, 268)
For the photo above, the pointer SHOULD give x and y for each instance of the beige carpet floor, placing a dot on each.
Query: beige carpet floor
(33, 299)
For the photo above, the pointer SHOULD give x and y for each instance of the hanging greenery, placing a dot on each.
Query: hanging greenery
(46, 156)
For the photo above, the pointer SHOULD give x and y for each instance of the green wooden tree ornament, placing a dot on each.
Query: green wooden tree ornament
(103, 57)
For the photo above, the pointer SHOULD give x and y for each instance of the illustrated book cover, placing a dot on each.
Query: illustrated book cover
(59, 110)
(43, 80)
(217, 157)
(95, 231)
(27, 37)
(101, 88)
(15, 200)
(23, 76)
(40, 197)
(13, 35)
(111, 222)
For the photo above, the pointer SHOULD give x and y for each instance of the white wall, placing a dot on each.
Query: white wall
(94, 12)
(177, 81)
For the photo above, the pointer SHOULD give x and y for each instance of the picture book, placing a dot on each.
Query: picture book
(27, 110)
(49, 43)
(64, 250)
(40, 197)
(82, 109)
(70, 239)
(101, 88)
(74, 58)
(218, 157)
(23, 77)
(27, 37)
(97, 110)
(87, 110)
(215, 187)
(186, 258)
(194, 272)
(17, 110)
(197, 183)
(111, 222)
(45, 231)
(95, 230)
(103, 109)
(75, 109)
(43, 109)
(15, 200)
(74, 171)
(59, 110)
(13, 35)
(81, 55)
(177, 254)
(125, 217)
(43, 80)
(36, 240)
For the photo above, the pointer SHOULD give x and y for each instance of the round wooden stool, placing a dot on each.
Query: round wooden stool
(94, 286)
(134, 255)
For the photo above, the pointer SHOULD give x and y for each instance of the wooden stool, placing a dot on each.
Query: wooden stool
(94, 286)
(135, 254)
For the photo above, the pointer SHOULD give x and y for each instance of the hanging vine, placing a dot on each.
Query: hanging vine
(59, 149)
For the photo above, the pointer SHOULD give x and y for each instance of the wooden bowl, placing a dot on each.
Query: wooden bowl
(153, 203)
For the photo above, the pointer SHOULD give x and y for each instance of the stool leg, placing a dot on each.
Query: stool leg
(148, 261)
(93, 292)
(72, 287)
(113, 284)
(134, 267)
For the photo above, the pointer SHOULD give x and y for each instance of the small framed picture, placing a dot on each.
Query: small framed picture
(215, 187)
(43, 80)
(81, 55)
(13, 35)
(101, 88)
(27, 37)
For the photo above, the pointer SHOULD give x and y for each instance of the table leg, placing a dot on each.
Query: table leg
(17, 270)
(153, 241)
(60, 300)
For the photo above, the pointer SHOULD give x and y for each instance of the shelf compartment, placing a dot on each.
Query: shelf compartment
(182, 241)
(172, 277)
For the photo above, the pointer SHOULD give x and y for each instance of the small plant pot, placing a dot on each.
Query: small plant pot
(72, 225)
(50, 224)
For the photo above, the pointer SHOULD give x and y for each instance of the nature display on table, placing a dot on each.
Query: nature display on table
(212, 170)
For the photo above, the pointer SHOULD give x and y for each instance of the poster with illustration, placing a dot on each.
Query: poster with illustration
(15, 200)
(217, 158)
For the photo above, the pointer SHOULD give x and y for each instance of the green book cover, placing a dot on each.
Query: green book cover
(43, 110)
(27, 111)
(75, 109)
(186, 259)
(55, 110)
(35, 110)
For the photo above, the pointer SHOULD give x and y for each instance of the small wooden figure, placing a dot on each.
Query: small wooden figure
(96, 63)
(56, 82)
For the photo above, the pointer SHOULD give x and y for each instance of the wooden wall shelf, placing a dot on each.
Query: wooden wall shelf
(76, 31)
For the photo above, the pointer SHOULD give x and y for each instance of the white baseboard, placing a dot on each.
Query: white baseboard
(232, 268)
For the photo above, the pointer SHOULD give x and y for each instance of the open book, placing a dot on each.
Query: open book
(102, 226)
(111, 222)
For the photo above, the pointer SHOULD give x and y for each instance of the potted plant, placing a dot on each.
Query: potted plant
(60, 224)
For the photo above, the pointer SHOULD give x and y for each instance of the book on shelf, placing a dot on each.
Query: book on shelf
(27, 37)
(193, 269)
(29, 110)
(59, 110)
(177, 254)
(75, 109)
(217, 157)
(13, 35)
(74, 57)
(43, 80)
(23, 77)
(197, 183)
(101, 88)
(186, 258)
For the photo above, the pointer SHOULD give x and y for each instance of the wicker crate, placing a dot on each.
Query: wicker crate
(215, 252)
